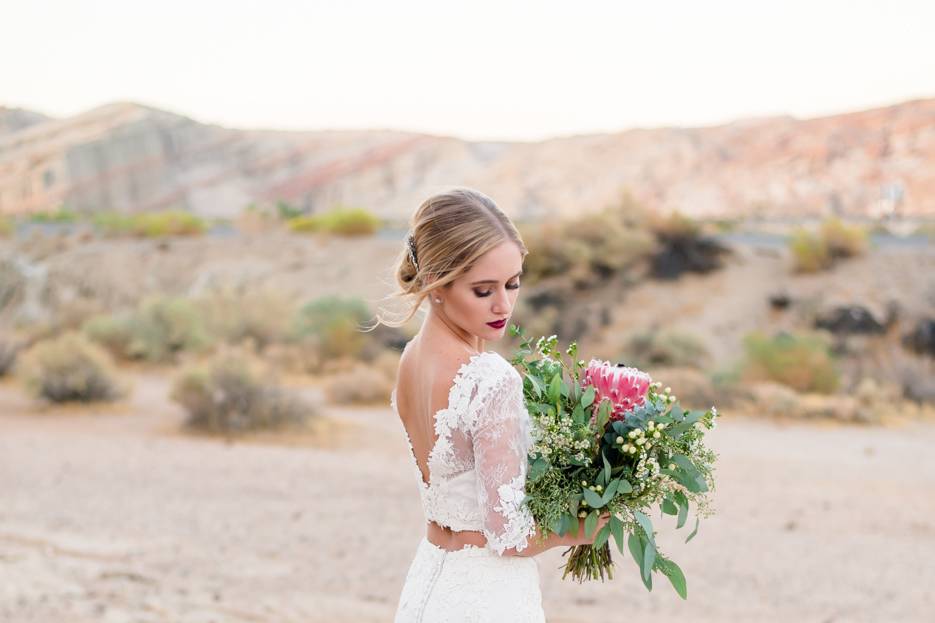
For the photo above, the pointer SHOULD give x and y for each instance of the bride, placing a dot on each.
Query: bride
(468, 431)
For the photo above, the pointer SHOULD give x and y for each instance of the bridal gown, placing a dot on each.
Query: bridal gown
(477, 474)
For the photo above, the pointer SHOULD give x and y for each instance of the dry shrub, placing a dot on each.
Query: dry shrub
(693, 388)
(916, 377)
(666, 347)
(9, 348)
(262, 318)
(809, 252)
(302, 356)
(673, 225)
(587, 249)
(232, 393)
(843, 240)
(387, 362)
(536, 321)
(812, 252)
(158, 331)
(802, 361)
(364, 384)
(69, 368)
(335, 323)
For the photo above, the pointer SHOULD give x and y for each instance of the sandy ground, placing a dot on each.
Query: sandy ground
(112, 515)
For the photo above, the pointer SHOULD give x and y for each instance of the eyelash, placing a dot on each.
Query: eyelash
(489, 292)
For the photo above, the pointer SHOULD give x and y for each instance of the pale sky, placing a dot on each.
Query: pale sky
(479, 69)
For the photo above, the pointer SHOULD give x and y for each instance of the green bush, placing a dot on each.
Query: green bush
(335, 323)
(69, 368)
(229, 395)
(809, 252)
(62, 215)
(802, 362)
(150, 224)
(286, 212)
(7, 227)
(157, 331)
(305, 224)
(340, 221)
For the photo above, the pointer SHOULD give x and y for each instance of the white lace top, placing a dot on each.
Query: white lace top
(477, 467)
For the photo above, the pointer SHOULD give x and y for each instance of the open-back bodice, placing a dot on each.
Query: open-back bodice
(477, 465)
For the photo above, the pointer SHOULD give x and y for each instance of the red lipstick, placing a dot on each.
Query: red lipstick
(498, 324)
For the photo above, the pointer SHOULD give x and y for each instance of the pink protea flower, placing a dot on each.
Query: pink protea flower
(625, 387)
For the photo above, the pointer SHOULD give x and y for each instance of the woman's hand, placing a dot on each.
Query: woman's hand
(583, 539)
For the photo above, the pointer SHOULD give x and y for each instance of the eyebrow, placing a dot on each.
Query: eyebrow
(477, 283)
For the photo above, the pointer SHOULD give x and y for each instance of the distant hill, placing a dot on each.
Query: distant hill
(129, 157)
(15, 119)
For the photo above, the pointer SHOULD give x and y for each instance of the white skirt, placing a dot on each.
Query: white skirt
(470, 585)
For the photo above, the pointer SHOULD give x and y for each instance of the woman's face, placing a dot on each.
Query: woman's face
(486, 293)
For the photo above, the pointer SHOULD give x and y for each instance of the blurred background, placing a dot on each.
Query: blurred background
(202, 203)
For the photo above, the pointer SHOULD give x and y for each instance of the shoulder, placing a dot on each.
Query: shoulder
(479, 375)
(488, 380)
(489, 370)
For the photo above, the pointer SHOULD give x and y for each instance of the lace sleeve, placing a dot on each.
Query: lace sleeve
(501, 439)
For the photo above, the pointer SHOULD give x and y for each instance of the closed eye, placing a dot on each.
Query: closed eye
(510, 286)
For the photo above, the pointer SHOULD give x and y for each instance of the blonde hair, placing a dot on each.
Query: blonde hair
(449, 232)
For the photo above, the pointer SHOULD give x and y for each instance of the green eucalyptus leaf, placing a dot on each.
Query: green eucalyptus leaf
(693, 416)
(676, 577)
(684, 462)
(683, 514)
(680, 498)
(669, 507)
(590, 523)
(602, 536)
(694, 532)
(624, 486)
(616, 528)
(645, 524)
(677, 430)
(649, 557)
(558, 525)
(635, 543)
(593, 499)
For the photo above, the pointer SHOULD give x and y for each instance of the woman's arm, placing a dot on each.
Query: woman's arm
(538, 545)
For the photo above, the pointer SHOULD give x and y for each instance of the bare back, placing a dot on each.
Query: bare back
(426, 374)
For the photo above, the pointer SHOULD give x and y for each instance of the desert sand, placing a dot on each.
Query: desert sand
(111, 514)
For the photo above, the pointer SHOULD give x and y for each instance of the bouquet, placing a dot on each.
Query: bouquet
(609, 440)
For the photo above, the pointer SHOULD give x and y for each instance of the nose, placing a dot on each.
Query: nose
(501, 304)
